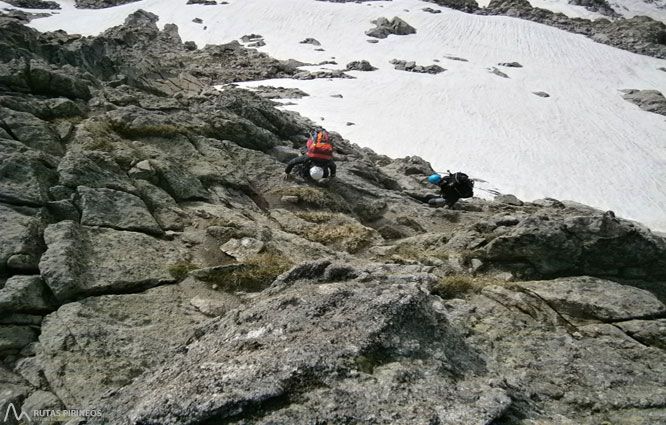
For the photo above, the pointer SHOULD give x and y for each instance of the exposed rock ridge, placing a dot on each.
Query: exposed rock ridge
(639, 34)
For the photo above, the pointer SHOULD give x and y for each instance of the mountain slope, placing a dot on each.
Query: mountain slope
(584, 142)
(155, 270)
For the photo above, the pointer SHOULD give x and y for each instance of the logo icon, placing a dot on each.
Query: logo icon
(18, 417)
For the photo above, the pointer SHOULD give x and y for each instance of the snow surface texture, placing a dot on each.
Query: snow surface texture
(583, 143)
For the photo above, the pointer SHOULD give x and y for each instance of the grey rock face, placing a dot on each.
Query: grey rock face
(509, 199)
(566, 368)
(601, 6)
(362, 65)
(41, 400)
(648, 332)
(14, 338)
(610, 246)
(469, 6)
(411, 66)
(121, 336)
(100, 4)
(20, 245)
(312, 41)
(585, 298)
(648, 100)
(242, 249)
(25, 174)
(95, 170)
(31, 131)
(26, 294)
(349, 339)
(162, 206)
(63, 108)
(384, 28)
(497, 72)
(34, 4)
(510, 64)
(118, 210)
(178, 182)
(45, 81)
(320, 343)
(88, 260)
(639, 34)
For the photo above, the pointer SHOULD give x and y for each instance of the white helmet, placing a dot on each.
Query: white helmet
(316, 173)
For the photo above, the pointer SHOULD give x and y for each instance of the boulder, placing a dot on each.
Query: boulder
(411, 66)
(34, 4)
(46, 81)
(31, 131)
(20, 241)
(597, 244)
(25, 174)
(600, 6)
(509, 200)
(115, 209)
(100, 4)
(284, 153)
(93, 169)
(350, 350)
(26, 294)
(648, 100)
(582, 374)
(162, 206)
(102, 343)
(384, 28)
(469, 6)
(179, 182)
(242, 249)
(587, 298)
(63, 108)
(362, 65)
(26, 103)
(310, 40)
(648, 332)
(83, 260)
(14, 338)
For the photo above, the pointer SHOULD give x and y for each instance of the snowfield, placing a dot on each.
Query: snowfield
(583, 143)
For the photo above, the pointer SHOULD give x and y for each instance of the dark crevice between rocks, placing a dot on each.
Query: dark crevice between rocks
(19, 203)
(252, 413)
(4, 126)
(159, 235)
(570, 327)
(138, 288)
(656, 288)
(630, 336)
(515, 412)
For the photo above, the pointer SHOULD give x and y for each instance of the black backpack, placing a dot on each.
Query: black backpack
(461, 184)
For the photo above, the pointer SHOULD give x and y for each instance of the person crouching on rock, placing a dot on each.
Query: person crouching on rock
(318, 162)
(453, 187)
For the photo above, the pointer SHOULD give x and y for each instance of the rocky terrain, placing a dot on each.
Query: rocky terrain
(155, 266)
(639, 34)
